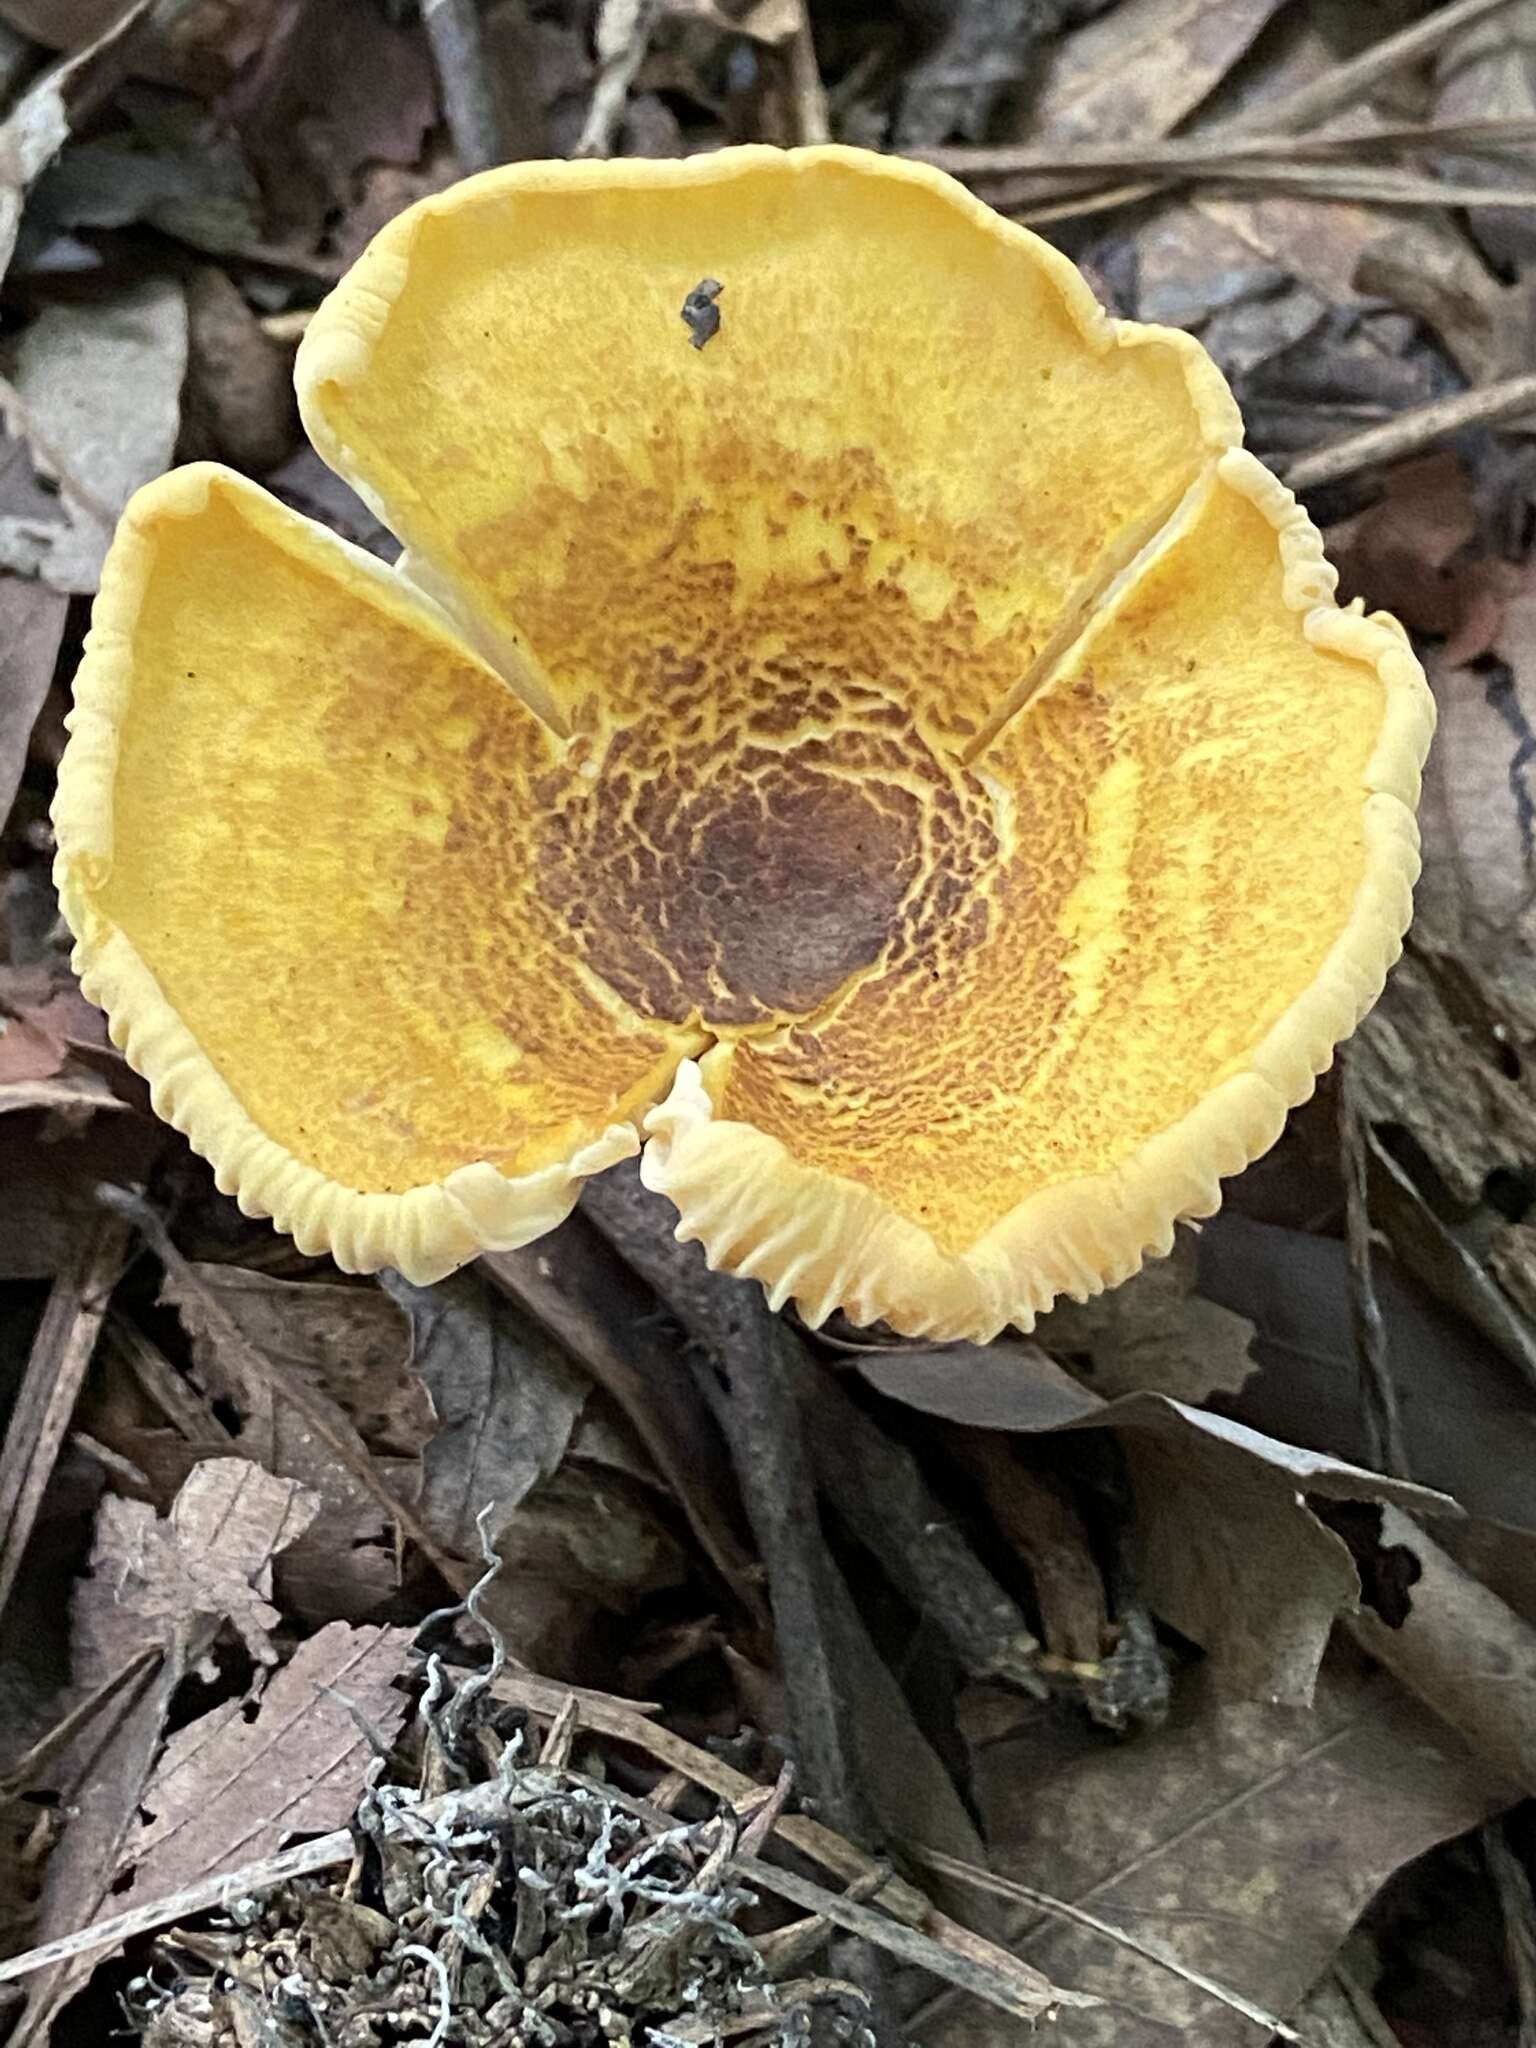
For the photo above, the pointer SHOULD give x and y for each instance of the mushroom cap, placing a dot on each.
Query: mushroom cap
(894, 747)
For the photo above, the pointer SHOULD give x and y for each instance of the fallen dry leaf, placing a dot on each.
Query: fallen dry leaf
(71, 1096)
(1427, 268)
(589, 1298)
(47, 998)
(95, 396)
(350, 1342)
(27, 1053)
(52, 1166)
(178, 1579)
(1223, 1542)
(238, 405)
(347, 1347)
(1443, 1055)
(232, 1785)
(1196, 270)
(1009, 1384)
(38, 126)
(50, 1034)
(1412, 551)
(176, 167)
(340, 88)
(1142, 68)
(1153, 1335)
(193, 43)
(305, 483)
(31, 627)
(507, 1397)
(1226, 1548)
(1466, 1412)
(1245, 1840)
(1455, 1644)
(61, 24)
(1480, 787)
(173, 1583)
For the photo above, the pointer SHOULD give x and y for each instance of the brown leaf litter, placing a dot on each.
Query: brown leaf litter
(1034, 1623)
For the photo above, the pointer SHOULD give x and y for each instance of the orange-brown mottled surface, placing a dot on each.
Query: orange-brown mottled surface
(897, 436)
(1128, 950)
(333, 846)
(742, 849)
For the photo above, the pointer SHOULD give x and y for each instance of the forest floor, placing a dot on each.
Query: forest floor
(381, 1663)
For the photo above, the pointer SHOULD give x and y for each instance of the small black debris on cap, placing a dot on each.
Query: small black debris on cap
(700, 311)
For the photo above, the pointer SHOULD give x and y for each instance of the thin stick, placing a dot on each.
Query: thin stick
(1363, 2009)
(1206, 152)
(589, 1300)
(912, 1945)
(1345, 184)
(1345, 85)
(1152, 1952)
(1385, 1445)
(875, 1485)
(806, 89)
(469, 93)
(773, 1470)
(765, 1427)
(1409, 432)
(623, 37)
(125, 1344)
(63, 1732)
(56, 1368)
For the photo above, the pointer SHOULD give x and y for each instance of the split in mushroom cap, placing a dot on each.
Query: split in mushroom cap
(902, 753)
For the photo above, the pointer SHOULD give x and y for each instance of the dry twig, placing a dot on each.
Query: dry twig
(1061, 1909)
(1511, 398)
(874, 1484)
(1344, 85)
(56, 1367)
(1386, 1448)
(807, 93)
(469, 91)
(623, 37)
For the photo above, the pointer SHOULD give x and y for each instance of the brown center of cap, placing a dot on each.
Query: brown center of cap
(740, 865)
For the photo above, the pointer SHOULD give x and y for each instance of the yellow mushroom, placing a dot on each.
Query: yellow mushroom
(892, 747)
